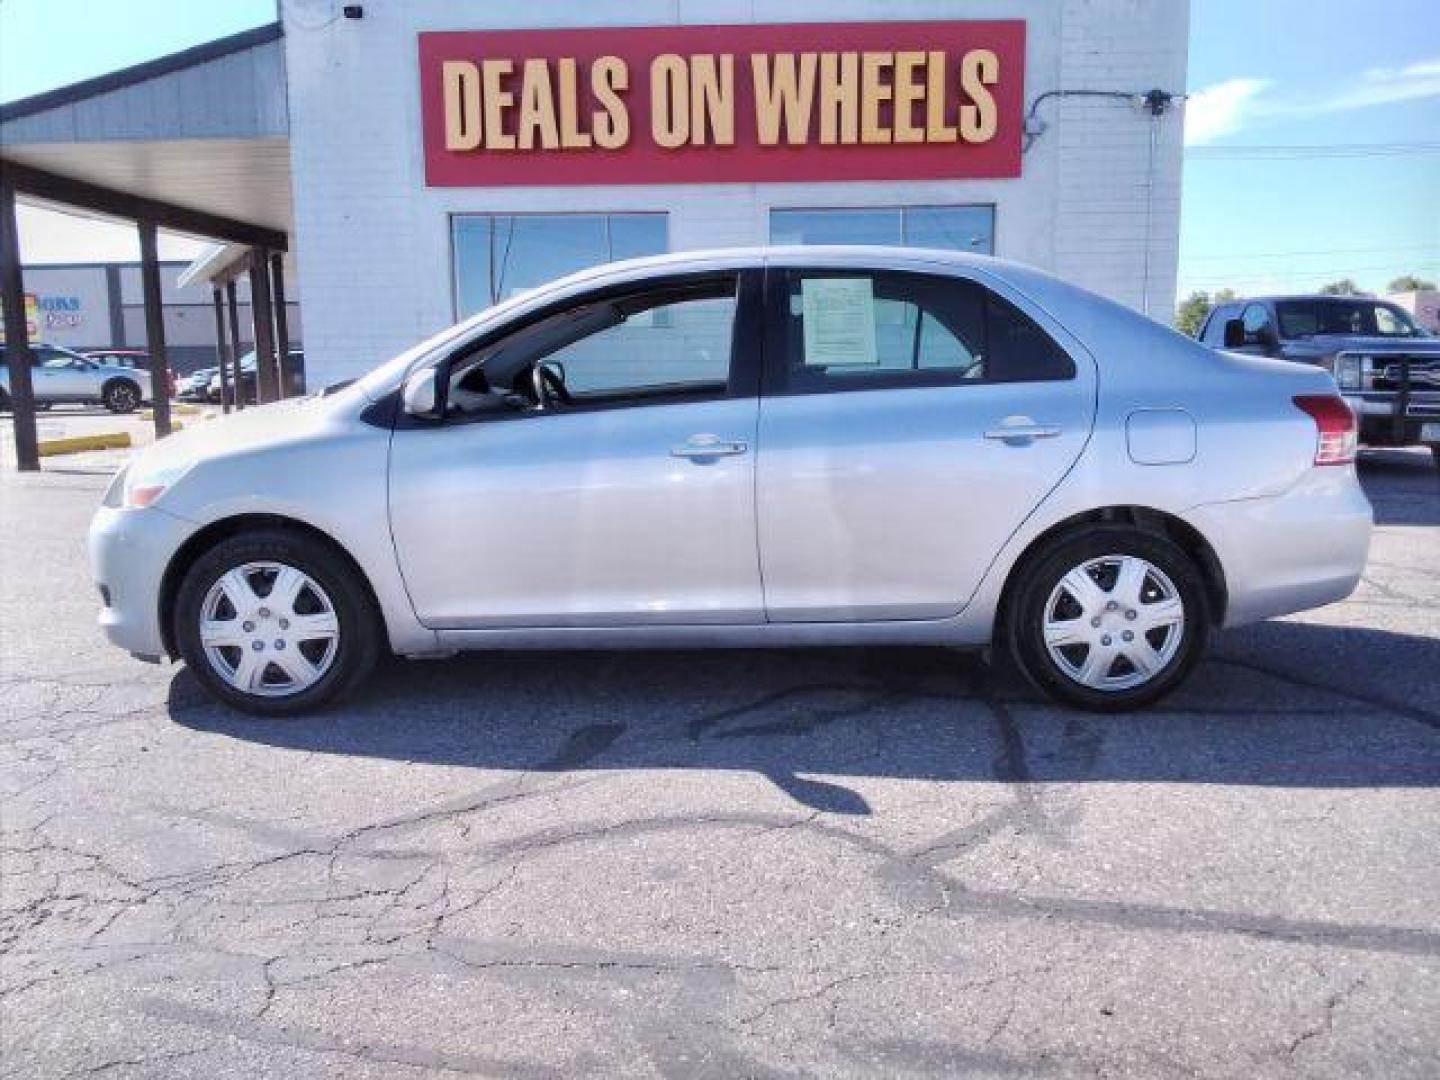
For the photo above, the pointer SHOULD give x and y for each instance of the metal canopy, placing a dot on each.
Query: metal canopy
(196, 142)
(203, 130)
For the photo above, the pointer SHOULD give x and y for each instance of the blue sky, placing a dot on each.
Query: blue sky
(1333, 76)
(1322, 73)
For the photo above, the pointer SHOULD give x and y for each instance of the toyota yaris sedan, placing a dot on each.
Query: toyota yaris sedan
(770, 447)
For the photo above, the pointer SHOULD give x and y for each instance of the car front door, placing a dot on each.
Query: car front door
(909, 424)
(57, 376)
(632, 504)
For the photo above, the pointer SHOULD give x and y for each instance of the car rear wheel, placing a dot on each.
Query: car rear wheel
(272, 622)
(121, 396)
(1109, 618)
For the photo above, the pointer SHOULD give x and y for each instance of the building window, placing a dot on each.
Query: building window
(956, 228)
(499, 255)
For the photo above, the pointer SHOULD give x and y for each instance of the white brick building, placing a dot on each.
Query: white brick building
(385, 258)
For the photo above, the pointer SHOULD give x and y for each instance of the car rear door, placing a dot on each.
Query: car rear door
(635, 505)
(909, 423)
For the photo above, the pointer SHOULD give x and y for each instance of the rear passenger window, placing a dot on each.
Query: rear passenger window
(849, 330)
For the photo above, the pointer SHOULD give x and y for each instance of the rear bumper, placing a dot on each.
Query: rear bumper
(129, 551)
(1290, 552)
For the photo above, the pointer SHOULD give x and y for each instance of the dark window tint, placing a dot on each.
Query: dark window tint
(1019, 350)
(848, 330)
(1305, 318)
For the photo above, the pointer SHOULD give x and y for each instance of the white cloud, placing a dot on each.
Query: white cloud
(1221, 109)
(1383, 86)
(1235, 104)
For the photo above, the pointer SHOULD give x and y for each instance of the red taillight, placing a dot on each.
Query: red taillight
(1335, 426)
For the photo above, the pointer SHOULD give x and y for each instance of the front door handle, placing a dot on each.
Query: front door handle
(707, 446)
(1021, 429)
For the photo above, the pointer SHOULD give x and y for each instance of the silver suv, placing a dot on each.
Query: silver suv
(59, 375)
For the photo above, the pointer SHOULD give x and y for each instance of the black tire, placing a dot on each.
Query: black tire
(360, 628)
(1023, 621)
(120, 396)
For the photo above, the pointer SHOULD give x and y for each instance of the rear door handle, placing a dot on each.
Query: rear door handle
(707, 446)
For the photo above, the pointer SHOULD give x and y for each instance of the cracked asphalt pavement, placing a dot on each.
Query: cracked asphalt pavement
(790, 863)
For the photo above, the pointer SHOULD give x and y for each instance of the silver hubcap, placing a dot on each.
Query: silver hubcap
(123, 397)
(269, 629)
(1114, 622)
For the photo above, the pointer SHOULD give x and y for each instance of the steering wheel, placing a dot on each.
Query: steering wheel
(548, 386)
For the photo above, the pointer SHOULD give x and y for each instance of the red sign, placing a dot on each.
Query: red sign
(709, 104)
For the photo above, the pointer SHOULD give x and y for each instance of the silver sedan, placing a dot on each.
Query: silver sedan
(769, 447)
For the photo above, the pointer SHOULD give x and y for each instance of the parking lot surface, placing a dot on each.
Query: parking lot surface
(789, 863)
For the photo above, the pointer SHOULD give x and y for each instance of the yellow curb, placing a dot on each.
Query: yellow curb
(114, 440)
(176, 409)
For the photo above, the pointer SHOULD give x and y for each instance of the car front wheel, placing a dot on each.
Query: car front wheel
(272, 622)
(1109, 618)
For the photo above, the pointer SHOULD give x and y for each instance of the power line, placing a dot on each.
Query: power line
(1307, 153)
(1318, 251)
(1291, 275)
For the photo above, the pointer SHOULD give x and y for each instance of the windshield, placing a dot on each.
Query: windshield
(1365, 318)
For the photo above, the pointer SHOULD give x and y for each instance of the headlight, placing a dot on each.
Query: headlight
(142, 487)
(1351, 372)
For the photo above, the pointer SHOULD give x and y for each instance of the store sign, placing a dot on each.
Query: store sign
(706, 104)
(32, 318)
(60, 312)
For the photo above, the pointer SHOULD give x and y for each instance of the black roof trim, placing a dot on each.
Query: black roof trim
(151, 69)
(1311, 297)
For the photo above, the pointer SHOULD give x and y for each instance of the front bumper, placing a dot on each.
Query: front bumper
(129, 551)
(1393, 418)
(1291, 552)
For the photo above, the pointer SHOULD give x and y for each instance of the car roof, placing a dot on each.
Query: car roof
(1324, 298)
(795, 254)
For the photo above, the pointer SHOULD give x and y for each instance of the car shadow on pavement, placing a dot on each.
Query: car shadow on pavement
(1403, 486)
(1282, 703)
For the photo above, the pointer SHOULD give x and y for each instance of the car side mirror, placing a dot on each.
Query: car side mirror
(421, 396)
(1234, 333)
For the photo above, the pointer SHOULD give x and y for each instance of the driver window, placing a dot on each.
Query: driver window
(673, 340)
(678, 339)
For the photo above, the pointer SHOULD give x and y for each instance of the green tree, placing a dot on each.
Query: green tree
(1409, 283)
(1343, 287)
(1190, 315)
